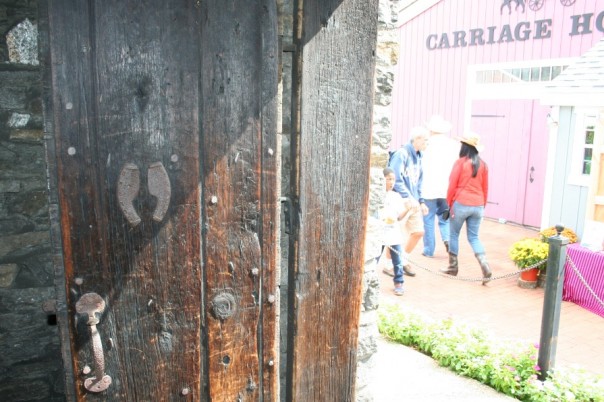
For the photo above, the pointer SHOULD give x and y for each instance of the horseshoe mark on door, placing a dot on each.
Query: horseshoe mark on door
(159, 187)
(128, 187)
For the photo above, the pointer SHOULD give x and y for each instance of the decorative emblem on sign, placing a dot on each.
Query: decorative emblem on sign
(128, 186)
(533, 4)
(508, 4)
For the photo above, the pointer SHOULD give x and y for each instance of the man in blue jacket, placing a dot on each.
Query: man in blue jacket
(407, 166)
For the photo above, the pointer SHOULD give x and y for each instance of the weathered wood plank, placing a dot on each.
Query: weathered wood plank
(125, 77)
(54, 213)
(336, 42)
(239, 171)
(270, 204)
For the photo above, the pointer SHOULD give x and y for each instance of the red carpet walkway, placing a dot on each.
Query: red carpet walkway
(501, 307)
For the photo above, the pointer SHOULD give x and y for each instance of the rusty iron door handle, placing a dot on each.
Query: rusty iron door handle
(91, 304)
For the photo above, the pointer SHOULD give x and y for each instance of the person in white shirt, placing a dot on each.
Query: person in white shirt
(437, 162)
(391, 214)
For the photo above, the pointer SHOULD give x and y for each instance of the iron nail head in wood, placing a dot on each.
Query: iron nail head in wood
(223, 305)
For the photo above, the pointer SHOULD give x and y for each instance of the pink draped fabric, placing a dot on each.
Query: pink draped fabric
(591, 266)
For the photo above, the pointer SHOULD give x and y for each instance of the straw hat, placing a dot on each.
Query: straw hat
(437, 124)
(472, 139)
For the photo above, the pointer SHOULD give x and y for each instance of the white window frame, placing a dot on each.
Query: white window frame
(583, 117)
(517, 89)
(514, 87)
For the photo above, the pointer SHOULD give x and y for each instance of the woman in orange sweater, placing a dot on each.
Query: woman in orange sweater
(467, 197)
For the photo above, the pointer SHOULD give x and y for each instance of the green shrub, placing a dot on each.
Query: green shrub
(508, 366)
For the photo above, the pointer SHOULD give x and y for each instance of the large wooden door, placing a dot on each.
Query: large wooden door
(515, 136)
(162, 145)
(335, 43)
(537, 164)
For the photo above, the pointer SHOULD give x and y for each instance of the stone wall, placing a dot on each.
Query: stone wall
(30, 363)
(387, 51)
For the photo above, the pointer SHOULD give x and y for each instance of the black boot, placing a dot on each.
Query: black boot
(484, 266)
(446, 246)
(453, 267)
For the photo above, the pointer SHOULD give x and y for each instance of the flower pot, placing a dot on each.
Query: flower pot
(531, 275)
(528, 279)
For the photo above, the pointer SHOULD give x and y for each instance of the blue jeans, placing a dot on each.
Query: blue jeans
(472, 216)
(435, 207)
(395, 254)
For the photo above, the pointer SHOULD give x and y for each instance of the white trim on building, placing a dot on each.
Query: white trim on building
(578, 95)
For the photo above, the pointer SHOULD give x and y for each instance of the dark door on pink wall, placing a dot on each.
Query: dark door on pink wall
(515, 137)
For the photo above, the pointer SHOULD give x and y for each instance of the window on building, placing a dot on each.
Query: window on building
(583, 145)
(522, 79)
(526, 74)
(588, 148)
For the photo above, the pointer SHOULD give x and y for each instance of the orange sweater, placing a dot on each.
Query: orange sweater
(464, 188)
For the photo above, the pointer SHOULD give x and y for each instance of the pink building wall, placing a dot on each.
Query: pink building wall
(434, 81)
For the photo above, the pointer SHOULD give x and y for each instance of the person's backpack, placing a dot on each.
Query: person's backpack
(390, 153)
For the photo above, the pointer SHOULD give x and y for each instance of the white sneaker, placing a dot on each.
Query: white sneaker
(398, 289)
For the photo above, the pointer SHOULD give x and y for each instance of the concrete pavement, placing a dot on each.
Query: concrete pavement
(501, 307)
(403, 374)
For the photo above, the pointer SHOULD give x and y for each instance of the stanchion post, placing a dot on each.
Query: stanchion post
(550, 319)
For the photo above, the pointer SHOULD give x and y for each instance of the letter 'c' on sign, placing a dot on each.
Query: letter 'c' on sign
(431, 42)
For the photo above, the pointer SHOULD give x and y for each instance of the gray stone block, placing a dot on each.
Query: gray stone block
(10, 186)
(22, 42)
(8, 273)
(18, 90)
(19, 245)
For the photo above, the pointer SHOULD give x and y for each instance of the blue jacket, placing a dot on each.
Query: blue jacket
(407, 165)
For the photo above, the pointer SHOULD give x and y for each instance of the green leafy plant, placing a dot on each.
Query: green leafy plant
(528, 252)
(508, 366)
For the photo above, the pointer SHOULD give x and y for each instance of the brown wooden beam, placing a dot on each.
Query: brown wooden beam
(333, 97)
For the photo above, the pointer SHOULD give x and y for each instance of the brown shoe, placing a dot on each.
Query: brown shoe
(408, 271)
(388, 271)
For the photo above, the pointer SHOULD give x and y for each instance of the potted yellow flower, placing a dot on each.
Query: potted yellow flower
(551, 231)
(526, 253)
(546, 234)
